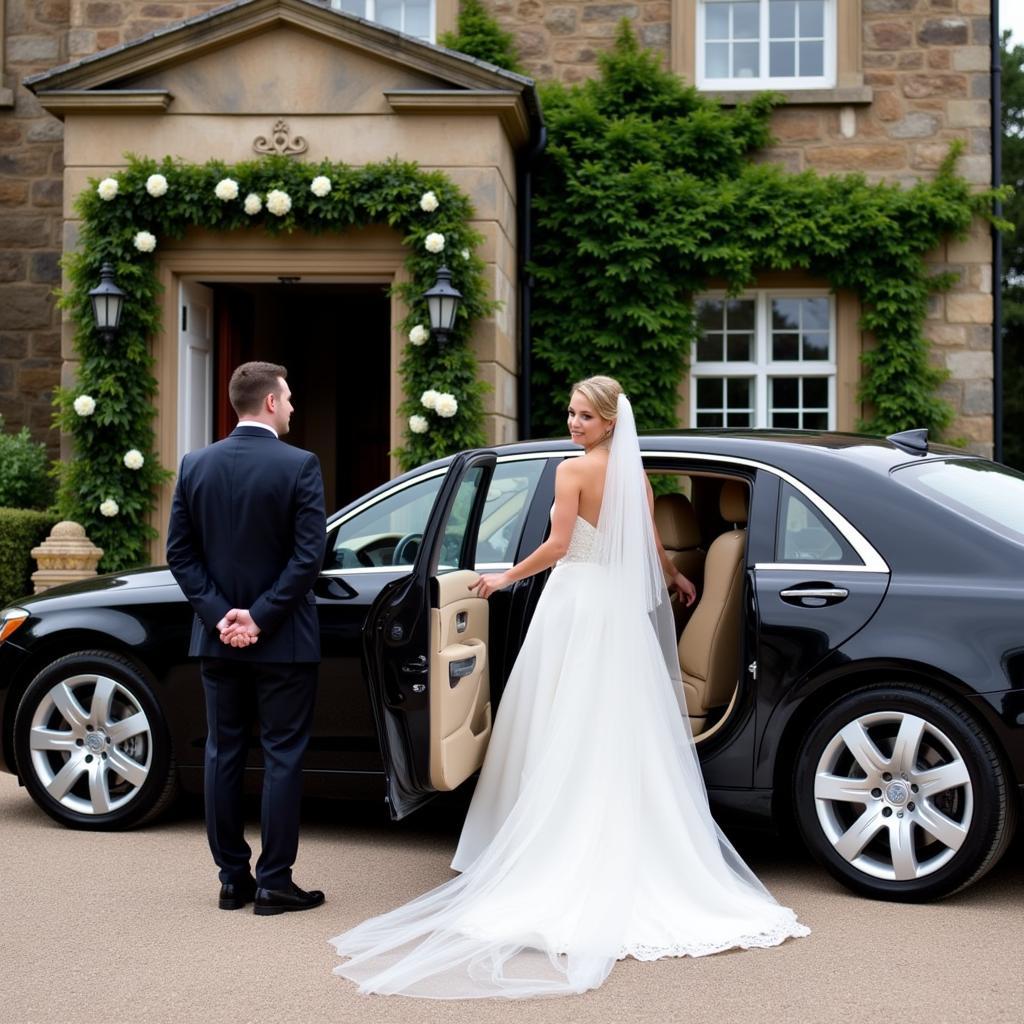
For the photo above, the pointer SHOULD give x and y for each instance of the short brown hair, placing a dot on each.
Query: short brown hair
(251, 383)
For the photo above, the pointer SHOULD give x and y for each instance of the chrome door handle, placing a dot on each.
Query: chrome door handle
(822, 593)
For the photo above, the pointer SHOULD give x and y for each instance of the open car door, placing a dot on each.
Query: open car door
(425, 646)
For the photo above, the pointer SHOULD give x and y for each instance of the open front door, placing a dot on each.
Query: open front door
(425, 643)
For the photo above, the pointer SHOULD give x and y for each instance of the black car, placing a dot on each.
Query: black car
(855, 661)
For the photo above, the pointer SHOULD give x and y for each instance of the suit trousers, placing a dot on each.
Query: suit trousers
(281, 697)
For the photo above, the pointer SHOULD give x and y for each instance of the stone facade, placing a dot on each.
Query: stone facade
(914, 77)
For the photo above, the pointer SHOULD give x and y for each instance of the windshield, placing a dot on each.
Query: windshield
(985, 492)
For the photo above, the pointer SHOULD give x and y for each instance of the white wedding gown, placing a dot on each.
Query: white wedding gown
(589, 837)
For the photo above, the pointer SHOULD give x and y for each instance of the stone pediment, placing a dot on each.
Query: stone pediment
(282, 57)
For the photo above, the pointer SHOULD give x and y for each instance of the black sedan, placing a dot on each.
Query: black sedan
(855, 661)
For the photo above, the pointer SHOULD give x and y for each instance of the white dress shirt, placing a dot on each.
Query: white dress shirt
(256, 423)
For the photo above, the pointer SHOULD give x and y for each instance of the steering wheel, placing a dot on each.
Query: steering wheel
(406, 549)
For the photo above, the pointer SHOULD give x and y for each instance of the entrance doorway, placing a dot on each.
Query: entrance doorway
(335, 341)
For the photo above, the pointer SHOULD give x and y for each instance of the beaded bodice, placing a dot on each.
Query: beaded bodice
(582, 543)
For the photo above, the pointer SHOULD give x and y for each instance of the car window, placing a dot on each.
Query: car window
(454, 533)
(985, 492)
(508, 501)
(805, 535)
(388, 532)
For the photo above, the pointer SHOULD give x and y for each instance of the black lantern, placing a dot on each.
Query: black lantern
(443, 301)
(107, 302)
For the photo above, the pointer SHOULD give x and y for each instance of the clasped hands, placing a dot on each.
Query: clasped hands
(237, 628)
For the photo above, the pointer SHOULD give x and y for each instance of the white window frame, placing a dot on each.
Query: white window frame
(764, 80)
(370, 14)
(762, 368)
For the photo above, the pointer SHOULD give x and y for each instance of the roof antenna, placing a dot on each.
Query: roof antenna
(914, 442)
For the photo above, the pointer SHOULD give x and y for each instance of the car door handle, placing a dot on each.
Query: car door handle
(826, 595)
(417, 666)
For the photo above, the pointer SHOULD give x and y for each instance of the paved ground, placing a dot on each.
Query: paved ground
(124, 928)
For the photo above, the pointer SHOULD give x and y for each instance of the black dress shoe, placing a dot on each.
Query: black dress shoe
(281, 901)
(235, 895)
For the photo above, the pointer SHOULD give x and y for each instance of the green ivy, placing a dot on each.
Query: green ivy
(25, 480)
(479, 35)
(119, 376)
(648, 190)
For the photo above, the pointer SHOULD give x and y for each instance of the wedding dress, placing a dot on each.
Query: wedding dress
(589, 836)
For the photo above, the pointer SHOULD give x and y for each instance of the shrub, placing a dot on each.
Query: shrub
(24, 471)
(20, 531)
(479, 35)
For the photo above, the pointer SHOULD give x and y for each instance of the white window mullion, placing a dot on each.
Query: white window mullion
(763, 334)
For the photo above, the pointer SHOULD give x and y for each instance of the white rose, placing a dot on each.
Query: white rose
(465, 254)
(109, 508)
(419, 334)
(144, 241)
(278, 202)
(226, 189)
(434, 242)
(446, 405)
(320, 186)
(253, 204)
(418, 424)
(85, 405)
(156, 185)
(428, 202)
(133, 459)
(107, 188)
(429, 399)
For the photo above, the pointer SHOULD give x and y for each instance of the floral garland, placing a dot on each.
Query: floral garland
(109, 486)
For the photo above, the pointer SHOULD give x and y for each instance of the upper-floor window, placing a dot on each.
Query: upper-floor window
(413, 17)
(766, 359)
(757, 44)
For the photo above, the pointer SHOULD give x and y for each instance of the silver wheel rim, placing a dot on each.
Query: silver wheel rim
(893, 796)
(91, 744)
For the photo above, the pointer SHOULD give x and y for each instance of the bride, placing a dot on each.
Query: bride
(589, 837)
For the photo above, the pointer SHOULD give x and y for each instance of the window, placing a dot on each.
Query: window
(754, 44)
(764, 360)
(413, 17)
(804, 535)
(505, 508)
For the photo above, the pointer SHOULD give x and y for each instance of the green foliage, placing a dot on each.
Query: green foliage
(119, 375)
(479, 35)
(24, 471)
(647, 191)
(20, 531)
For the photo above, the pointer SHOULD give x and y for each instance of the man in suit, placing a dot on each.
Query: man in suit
(245, 543)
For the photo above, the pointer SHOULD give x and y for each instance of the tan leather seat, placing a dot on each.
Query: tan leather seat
(680, 536)
(709, 649)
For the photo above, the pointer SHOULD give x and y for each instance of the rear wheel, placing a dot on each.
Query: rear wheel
(900, 795)
(91, 743)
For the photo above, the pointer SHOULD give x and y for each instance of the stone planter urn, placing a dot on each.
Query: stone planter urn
(65, 556)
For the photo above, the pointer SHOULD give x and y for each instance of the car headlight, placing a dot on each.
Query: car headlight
(11, 620)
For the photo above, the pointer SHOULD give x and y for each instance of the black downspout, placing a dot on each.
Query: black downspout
(997, 242)
(525, 217)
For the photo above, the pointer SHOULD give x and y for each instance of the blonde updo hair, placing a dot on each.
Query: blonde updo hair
(602, 393)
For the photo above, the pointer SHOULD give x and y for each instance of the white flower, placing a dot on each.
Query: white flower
(85, 405)
(109, 508)
(429, 398)
(418, 424)
(226, 189)
(446, 405)
(133, 459)
(278, 202)
(465, 254)
(434, 242)
(253, 204)
(144, 241)
(419, 334)
(107, 188)
(428, 202)
(320, 186)
(156, 185)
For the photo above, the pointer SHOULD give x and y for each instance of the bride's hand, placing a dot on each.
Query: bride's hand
(489, 583)
(684, 588)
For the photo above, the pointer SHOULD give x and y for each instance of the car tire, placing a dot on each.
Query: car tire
(900, 794)
(91, 743)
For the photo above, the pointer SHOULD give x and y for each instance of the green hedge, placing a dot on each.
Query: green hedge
(20, 531)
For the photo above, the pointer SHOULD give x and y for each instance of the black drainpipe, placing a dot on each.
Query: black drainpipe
(997, 242)
(525, 218)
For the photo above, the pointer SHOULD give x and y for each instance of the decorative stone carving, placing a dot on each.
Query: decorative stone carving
(280, 142)
(65, 556)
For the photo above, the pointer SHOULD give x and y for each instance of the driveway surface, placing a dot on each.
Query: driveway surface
(125, 928)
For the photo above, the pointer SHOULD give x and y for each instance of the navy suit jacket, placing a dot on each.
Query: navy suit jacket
(247, 530)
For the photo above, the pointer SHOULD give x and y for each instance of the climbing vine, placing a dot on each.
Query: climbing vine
(109, 485)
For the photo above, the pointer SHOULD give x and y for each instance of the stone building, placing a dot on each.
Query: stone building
(877, 86)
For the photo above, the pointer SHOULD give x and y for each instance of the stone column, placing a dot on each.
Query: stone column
(65, 556)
